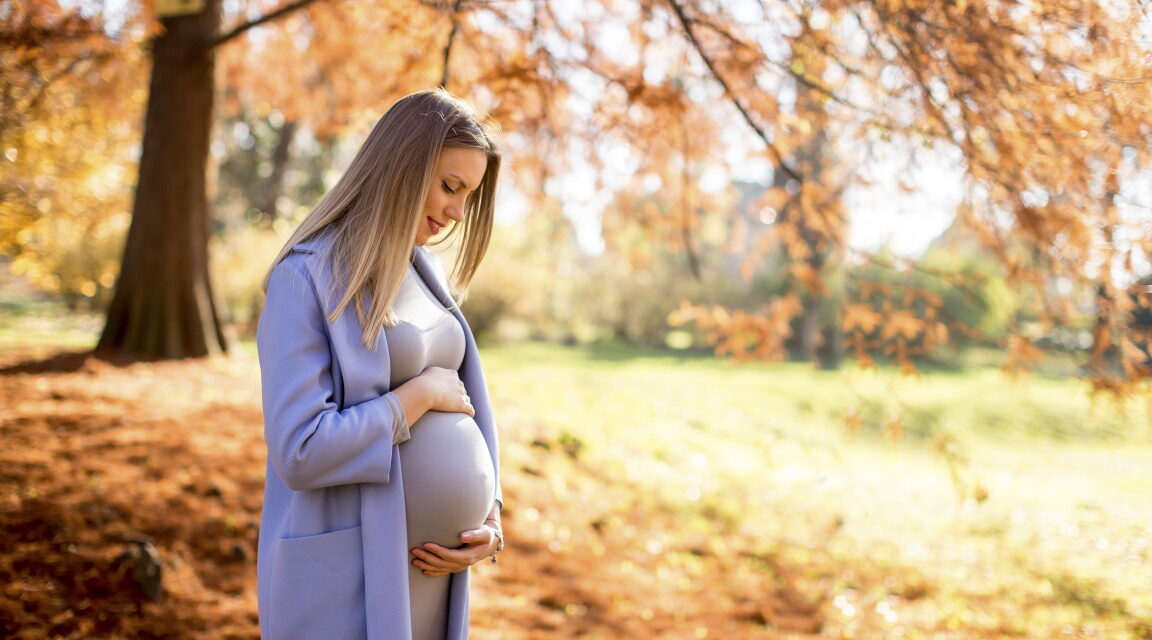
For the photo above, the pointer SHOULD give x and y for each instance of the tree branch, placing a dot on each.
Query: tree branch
(34, 103)
(38, 36)
(686, 23)
(275, 15)
(685, 202)
(451, 38)
(942, 275)
(800, 77)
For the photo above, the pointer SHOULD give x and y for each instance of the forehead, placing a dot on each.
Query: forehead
(467, 164)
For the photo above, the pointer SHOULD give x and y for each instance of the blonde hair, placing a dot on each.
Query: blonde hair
(373, 212)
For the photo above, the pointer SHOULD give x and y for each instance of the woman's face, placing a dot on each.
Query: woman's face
(458, 172)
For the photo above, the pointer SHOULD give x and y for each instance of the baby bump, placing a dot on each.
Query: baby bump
(449, 483)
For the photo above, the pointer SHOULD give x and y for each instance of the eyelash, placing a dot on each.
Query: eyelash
(448, 189)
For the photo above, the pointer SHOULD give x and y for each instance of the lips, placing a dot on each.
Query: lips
(434, 226)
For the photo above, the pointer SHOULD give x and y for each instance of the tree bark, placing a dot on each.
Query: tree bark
(274, 186)
(163, 305)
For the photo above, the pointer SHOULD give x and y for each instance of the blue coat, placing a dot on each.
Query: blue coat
(333, 556)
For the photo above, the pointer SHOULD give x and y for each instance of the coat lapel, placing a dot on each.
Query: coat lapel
(371, 368)
(422, 260)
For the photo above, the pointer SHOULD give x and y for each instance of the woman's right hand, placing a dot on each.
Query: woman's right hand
(435, 389)
(445, 391)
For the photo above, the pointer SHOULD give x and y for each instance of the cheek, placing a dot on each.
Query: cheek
(435, 201)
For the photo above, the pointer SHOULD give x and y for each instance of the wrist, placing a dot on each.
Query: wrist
(428, 392)
(494, 513)
(416, 396)
(498, 536)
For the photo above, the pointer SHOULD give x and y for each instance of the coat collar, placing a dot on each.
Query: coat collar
(428, 268)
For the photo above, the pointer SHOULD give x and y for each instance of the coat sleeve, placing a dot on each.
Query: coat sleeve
(311, 442)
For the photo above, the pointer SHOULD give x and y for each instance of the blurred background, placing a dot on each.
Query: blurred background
(802, 318)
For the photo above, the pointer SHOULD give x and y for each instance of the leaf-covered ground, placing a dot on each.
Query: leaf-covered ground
(646, 497)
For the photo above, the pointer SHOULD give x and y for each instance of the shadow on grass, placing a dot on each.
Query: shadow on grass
(66, 362)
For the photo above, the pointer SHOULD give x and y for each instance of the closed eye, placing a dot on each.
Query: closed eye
(447, 189)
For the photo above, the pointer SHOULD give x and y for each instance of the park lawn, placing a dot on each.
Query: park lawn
(1002, 508)
(648, 495)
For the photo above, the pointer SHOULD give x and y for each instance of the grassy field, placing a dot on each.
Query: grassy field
(33, 325)
(648, 495)
(952, 504)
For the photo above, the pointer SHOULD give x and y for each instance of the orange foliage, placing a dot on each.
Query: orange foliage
(1022, 353)
(742, 335)
(1046, 103)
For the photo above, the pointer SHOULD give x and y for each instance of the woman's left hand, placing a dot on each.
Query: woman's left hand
(436, 560)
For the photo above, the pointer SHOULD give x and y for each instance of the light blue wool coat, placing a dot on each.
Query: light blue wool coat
(333, 556)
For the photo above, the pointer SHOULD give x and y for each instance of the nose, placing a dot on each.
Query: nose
(455, 212)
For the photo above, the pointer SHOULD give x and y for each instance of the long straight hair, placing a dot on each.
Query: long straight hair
(373, 212)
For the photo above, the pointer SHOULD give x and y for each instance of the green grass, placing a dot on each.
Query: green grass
(40, 325)
(1021, 493)
(801, 402)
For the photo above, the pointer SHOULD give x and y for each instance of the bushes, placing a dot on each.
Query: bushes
(239, 259)
(531, 289)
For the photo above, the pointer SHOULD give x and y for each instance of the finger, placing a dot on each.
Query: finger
(461, 558)
(483, 535)
(443, 557)
(430, 562)
(441, 568)
(447, 555)
(435, 556)
(432, 570)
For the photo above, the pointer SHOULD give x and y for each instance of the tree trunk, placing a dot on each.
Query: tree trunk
(163, 305)
(810, 334)
(832, 351)
(274, 186)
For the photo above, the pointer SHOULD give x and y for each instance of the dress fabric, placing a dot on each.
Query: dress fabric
(333, 557)
(449, 481)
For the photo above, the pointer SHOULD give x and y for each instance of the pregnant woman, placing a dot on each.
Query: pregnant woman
(382, 485)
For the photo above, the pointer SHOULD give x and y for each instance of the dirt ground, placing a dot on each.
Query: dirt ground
(118, 478)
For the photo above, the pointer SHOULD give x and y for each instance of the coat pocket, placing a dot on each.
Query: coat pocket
(316, 587)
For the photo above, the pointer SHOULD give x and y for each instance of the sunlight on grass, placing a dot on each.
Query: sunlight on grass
(46, 326)
(1004, 508)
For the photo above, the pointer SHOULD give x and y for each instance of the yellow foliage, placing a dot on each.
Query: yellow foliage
(68, 146)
